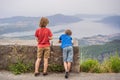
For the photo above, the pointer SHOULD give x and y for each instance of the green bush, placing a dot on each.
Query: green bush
(20, 67)
(114, 63)
(104, 67)
(90, 65)
(110, 65)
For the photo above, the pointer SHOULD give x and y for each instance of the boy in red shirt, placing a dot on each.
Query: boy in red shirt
(43, 36)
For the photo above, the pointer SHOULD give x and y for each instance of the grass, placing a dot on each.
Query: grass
(107, 66)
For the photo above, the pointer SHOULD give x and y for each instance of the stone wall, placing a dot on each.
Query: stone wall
(9, 54)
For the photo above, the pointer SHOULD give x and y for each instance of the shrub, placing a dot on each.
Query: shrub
(104, 67)
(114, 63)
(20, 67)
(90, 65)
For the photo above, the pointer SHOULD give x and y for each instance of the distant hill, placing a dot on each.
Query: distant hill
(98, 39)
(82, 16)
(21, 23)
(18, 24)
(18, 19)
(113, 20)
(60, 19)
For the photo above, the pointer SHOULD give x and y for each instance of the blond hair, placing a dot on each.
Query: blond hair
(68, 32)
(43, 22)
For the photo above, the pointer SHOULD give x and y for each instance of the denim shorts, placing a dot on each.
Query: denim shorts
(68, 54)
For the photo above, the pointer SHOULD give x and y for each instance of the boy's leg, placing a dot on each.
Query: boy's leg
(66, 66)
(70, 57)
(45, 65)
(69, 66)
(37, 64)
(65, 55)
(46, 56)
(65, 58)
(66, 69)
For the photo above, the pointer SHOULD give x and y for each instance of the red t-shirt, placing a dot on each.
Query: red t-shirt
(43, 35)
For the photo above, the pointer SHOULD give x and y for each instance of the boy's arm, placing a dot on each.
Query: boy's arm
(59, 41)
(50, 38)
(36, 39)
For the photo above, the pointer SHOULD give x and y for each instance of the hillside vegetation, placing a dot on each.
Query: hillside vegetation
(100, 52)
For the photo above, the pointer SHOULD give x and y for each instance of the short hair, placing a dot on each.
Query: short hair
(43, 22)
(68, 32)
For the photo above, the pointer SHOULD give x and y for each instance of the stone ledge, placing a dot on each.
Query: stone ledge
(27, 53)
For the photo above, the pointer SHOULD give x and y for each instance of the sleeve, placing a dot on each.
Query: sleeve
(60, 38)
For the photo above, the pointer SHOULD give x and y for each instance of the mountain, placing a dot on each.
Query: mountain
(82, 16)
(98, 39)
(18, 24)
(17, 19)
(113, 20)
(21, 23)
(60, 19)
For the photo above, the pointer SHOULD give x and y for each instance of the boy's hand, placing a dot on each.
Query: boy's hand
(59, 41)
(50, 38)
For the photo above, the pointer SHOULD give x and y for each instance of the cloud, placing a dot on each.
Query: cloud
(48, 7)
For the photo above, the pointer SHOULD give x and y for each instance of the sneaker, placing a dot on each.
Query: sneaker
(66, 74)
(36, 74)
(44, 74)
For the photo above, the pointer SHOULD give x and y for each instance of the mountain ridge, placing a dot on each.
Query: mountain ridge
(21, 23)
(113, 20)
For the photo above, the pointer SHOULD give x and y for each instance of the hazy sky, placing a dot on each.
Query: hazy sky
(36, 8)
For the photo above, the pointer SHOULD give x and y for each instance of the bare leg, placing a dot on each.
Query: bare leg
(69, 66)
(66, 69)
(65, 66)
(37, 64)
(45, 65)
